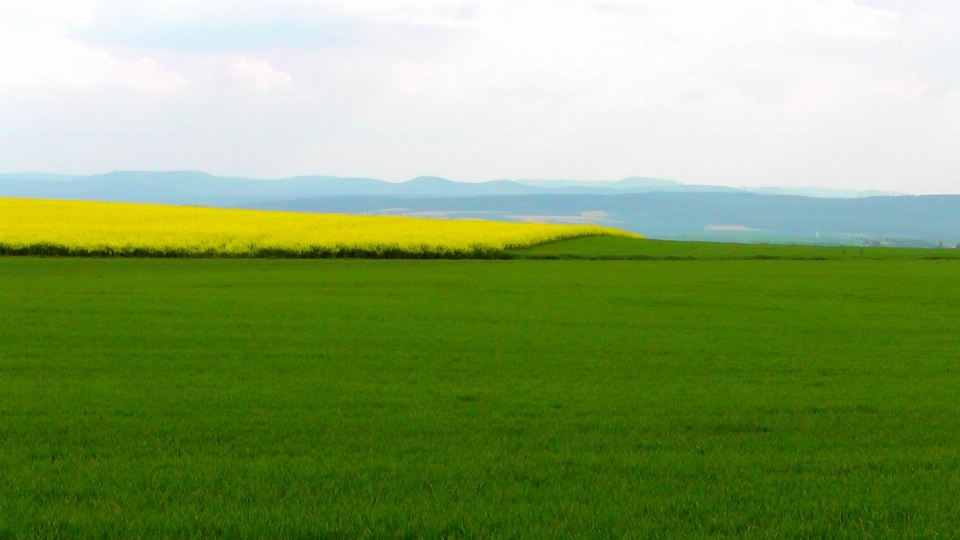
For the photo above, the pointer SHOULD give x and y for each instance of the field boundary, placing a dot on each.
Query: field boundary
(476, 252)
(320, 252)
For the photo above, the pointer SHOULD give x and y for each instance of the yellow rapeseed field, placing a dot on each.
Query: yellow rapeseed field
(30, 226)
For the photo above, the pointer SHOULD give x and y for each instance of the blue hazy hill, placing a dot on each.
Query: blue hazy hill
(192, 187)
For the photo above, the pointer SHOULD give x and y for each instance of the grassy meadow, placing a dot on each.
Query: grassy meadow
(479, 399)
(609, 247)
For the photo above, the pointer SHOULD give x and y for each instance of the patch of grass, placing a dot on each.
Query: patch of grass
(469, 399)
(625, 248)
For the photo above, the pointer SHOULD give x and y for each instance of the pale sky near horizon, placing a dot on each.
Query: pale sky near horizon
(837, 94)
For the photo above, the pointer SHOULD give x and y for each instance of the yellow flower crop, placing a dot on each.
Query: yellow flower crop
(30, 226)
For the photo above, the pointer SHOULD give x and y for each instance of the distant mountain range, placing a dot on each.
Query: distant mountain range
(197, 188)
(654, 207)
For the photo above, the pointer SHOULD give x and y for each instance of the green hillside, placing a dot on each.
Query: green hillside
(623, 248)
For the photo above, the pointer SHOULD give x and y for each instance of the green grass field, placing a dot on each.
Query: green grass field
(622, 248)
(479, 399)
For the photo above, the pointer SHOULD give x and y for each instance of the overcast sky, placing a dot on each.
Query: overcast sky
(862, 95)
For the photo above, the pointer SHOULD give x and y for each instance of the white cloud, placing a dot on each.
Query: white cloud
(258, 74)
(73, 13)
(418, 14)
(846, 19)
(44, 57)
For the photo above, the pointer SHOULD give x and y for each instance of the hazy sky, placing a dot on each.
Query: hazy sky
(833, 94)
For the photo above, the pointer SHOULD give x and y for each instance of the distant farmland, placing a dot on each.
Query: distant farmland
(655, 208)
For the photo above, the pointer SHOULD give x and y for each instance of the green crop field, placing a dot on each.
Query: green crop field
(625, 248)
(481, 399)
